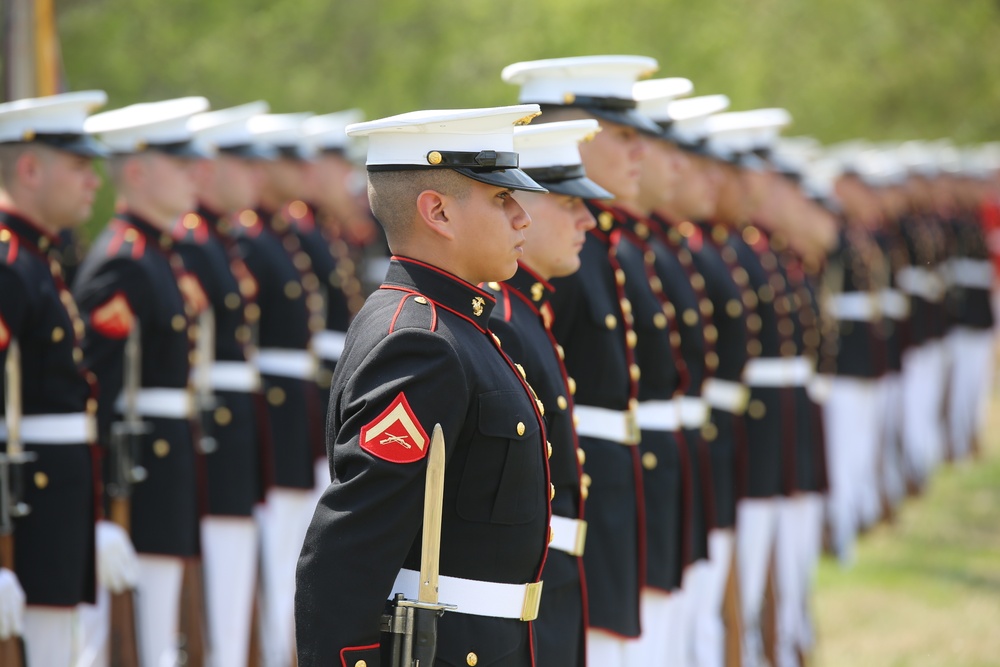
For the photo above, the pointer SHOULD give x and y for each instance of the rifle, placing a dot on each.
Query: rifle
(125, 472)
(409, 627)
(11, 483)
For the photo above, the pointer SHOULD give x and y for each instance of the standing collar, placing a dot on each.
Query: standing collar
(528, 284)
(445, 289)
(28, 231)
(608, 218)
(161, 238)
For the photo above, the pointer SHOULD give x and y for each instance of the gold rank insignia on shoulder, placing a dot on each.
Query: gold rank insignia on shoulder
(477, 305)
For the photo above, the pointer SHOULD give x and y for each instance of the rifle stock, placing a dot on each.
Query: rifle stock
(11, 650)
(124, 634)
(192, 623)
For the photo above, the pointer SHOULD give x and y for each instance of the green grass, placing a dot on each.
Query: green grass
(925, 591)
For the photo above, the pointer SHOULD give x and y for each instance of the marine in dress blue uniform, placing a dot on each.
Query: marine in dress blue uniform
(523, 319)
(54, 556)
(134, 279)
(420, 353)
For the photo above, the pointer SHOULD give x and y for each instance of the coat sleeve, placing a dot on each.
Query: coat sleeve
(367, 520)
(13, 313)
(114, 300)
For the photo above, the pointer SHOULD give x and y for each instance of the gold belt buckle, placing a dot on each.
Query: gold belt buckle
(581, 538)
(532, 598)
(744, 400)
(632, 433)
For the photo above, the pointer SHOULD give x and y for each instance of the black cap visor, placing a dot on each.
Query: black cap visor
(514, 178)
(568, 180)
(250, 151)
(629, 117)
(78, 144)
(188, 150)
(294, 152)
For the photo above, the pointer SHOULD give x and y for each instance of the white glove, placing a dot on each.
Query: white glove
(11, 605)
(117, 564)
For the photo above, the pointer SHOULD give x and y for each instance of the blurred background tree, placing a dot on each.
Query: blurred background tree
(879, 69)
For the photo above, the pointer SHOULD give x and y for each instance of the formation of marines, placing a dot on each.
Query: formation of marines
(672, 355)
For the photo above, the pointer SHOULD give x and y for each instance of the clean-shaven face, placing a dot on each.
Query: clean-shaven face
(559, 225)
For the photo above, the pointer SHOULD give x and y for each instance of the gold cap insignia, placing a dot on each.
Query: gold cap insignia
(434, 157)
(527, 119)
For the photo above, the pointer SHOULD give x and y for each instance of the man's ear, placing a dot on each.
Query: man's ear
(431, 209)
(29, 168)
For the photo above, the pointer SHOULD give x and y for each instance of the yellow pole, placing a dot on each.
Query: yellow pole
(46, 49)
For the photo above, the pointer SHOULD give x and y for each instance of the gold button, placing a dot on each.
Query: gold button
(711, 333)
(586, 481)
(434, 157)
(561, 352)
(756, 409)
(649, 257)
(252, 312)
(698, 281)
(584, 492)
(421, 300)
(293, 290)
(620, 277)
(753, 322)
(660, 321)
(77, 355)
(641, 230)
(626, 306)
(41, 480)
(496, 339)
(754, 348)
(541, 406)
(361, 663)
(552, 491)
(301, 261)
(581, 456)
(472, 659)
(712, 361)
(765, 293)
(649, 461)
(788, 349)
(4, 235)
(232, 301)
(58, 334)
(548, 449)
(786, 327)
(706, 307)
(520, 428)
(561, 402)
(634, 372)
(631, 339)
(161, 448)
(310, 281)
(690, 317)
(656, 284)
(571, 383)
(223, 416)
(734, 308)
(709, 432)
(520, 369)
(275, 395)
(178, 322)
(605, 220)
(91, 406)
(675, 338)
(610, 321)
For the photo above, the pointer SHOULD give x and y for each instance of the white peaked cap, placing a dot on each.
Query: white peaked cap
(653, 96)
(135, 128)
(550, 153)
(284, 132)
(328, 132)
(22, 120)
(917, 157)
(226, 127)
(795, 154)
(690, 117)
(731, 134)
(478, 143)
(553, 81)
(553, 144)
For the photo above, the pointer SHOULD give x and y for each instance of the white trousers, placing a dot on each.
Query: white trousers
(49, 636)
(229, 553)
(607, 650)
(656, 616)
(678, 639)
(283, 523)
(924, 381)
(796, 555)
(971, 355)
(158, 608)
(708, 639)
(850, 418)
(756, 528)
(892, 460)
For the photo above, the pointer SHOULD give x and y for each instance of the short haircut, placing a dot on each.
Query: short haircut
(9, 155)
(393, 195)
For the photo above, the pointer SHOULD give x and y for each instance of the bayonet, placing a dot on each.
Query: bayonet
(125, 434)
(409, 627)
(204, 397)
(11, 505)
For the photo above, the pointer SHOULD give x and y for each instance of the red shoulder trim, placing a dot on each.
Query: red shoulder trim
(13, 246)
(402, 302)
(4, 334)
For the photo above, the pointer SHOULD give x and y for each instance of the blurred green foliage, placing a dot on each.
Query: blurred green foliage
(881, 69)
